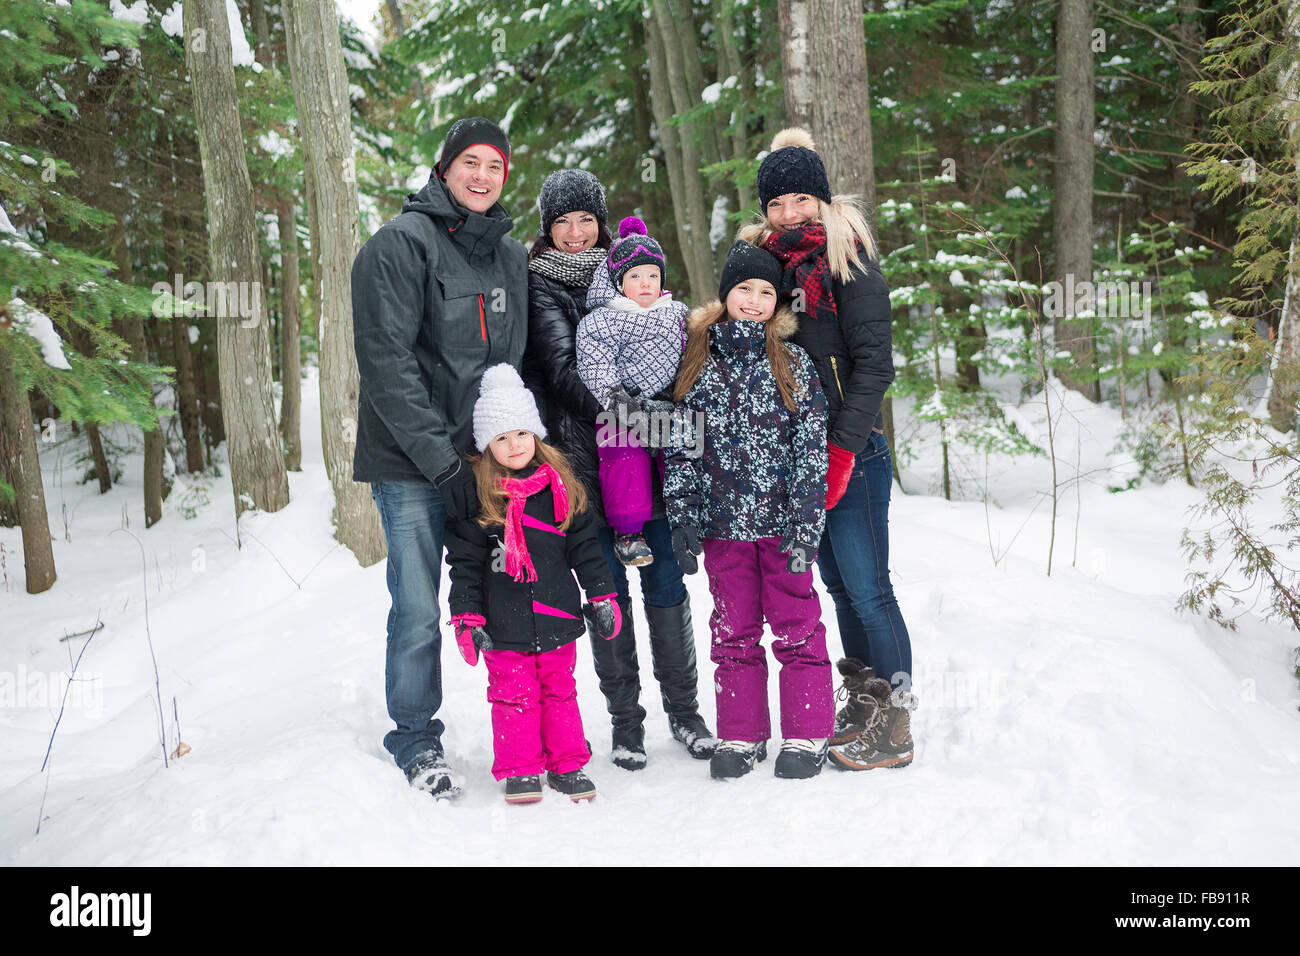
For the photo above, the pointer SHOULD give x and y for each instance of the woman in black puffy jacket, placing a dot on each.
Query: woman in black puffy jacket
(572, 245)
(834, 282)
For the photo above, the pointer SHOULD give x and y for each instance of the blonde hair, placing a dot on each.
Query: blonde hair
(846, 226)
(492, 499)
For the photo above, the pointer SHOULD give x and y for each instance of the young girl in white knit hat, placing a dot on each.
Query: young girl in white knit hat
(513, 594)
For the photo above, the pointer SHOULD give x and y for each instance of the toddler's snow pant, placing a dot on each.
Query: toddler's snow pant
(624, 479)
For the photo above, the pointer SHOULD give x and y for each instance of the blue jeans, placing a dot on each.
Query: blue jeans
(854, 565)
(661, 581)
(413, 516)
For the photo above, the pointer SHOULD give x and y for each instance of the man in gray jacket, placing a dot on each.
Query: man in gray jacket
(439, 294)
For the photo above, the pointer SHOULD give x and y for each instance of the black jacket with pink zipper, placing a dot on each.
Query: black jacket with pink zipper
(531, 616)
(439, 294)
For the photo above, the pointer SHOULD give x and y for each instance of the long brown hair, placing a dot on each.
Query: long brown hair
(695, 355)
(492, 499)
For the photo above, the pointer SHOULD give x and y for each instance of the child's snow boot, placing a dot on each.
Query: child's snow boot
(735, 758)
(800, 759)
(887, 739)
(633, 551)
(575, 784)
(526, 789)
(859, 703)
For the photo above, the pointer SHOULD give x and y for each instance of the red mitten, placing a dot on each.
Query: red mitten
(464, 626)
(837, 474)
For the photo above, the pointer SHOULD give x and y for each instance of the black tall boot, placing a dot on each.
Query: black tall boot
(672, 654)
(620, 682)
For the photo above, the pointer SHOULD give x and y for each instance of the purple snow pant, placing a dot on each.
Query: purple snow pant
(624, 479)
(535, 721)
(749, 582)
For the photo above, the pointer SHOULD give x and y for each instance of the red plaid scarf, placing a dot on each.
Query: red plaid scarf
(802, 251)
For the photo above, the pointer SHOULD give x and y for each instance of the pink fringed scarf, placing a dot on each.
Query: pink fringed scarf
(519, 563)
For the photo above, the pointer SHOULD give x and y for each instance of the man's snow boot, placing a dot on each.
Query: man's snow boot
(430, 772)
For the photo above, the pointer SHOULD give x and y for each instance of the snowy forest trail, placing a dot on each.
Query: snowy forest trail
(1072, 719)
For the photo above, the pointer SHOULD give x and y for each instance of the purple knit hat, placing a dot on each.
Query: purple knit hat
(634, 248)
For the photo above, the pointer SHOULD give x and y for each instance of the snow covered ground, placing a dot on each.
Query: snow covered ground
(1075, 718)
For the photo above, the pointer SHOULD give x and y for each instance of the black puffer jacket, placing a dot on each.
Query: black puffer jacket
(551, 368)
(439, 294)
(522, 615)
(854, 359)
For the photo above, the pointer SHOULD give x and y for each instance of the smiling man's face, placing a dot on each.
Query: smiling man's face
(475, 177)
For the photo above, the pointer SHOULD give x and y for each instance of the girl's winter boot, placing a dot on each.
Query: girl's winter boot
(800, 759)
(575, 784)
(526, 789)
(735, 758)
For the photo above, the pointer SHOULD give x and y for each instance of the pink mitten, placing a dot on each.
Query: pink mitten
(471, 636)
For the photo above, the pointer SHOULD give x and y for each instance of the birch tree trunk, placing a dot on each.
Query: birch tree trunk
(1073, 186)
(824, 62)
(320, 89)
(23, 471)
(244, 355)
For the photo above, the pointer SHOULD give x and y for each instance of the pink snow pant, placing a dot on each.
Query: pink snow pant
(535, 721)
(749, 582)
(624, 479)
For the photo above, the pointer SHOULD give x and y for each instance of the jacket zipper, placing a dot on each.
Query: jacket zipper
(835, 370)
(482, 322)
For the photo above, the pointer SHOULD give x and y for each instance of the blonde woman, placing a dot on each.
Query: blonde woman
(831, 276)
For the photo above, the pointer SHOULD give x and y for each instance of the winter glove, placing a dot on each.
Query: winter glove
(624, 402)
(686, 545)
(837, 475)
(659, 423)
(801, 556)
(471, 636)
(604, 616)
(459, 491)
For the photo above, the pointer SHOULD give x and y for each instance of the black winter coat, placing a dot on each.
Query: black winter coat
(480, 584)
(854, 359)
(551, 369)
(439, 294)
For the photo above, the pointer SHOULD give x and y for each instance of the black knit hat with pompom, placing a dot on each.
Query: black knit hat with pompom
(792, 166)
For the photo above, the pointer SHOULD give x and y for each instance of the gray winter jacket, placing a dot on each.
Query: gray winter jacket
(439, 294)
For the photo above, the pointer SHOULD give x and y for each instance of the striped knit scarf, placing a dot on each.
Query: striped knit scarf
(574, 269)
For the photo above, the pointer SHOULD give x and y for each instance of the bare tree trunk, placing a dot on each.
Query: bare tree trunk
(133, 333)
(252, 444)
(1283, 389)
(18, 448)
(320, 88)
(729, 54)
(291, 351)
(670, 95)
(1073, 184)
(395, 11)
